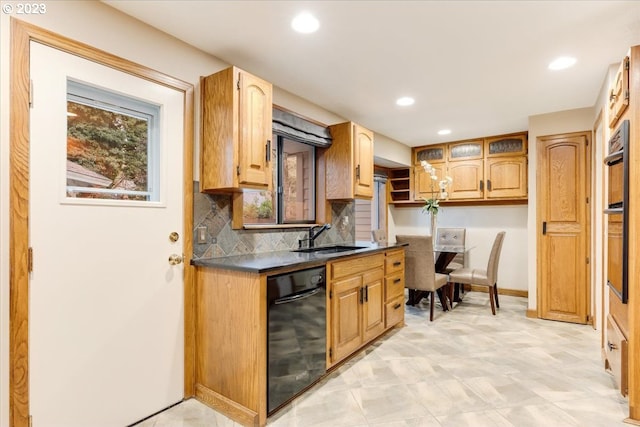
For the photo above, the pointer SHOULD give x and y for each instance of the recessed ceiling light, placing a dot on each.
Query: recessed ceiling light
(305, 23)
(405, 101)
(562, 62)
(444, 132)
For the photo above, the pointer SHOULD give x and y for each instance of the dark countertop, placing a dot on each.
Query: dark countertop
(271, 261)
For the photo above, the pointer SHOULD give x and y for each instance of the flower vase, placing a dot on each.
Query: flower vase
(434, 219)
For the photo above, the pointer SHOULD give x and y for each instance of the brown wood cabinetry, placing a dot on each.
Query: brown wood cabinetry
(365, 297)
(484, 170)
(468, 179)
(619, 93)
(349, 163)
(356, 296)
(394, 288)
(400, 185)
(236, 131)
(424, 185)
(431, 153)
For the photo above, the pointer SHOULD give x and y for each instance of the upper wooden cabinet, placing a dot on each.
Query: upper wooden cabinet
(431, 153)
(484, 169)
(467, 178)
(619, 92)
(236, 131)
(349, 163)
(465, 150)
(505, 178)
(424, 185)
(508, 145)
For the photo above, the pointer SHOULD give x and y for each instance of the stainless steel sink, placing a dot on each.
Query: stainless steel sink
(329, 249)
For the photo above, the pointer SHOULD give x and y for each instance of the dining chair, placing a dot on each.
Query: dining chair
(379, 236)
(420, 273)
(488, 277)
(454, 237)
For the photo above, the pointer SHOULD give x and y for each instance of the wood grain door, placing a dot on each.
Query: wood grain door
(363, 160)
(506, 177)
(346, 315)
(425, 187)
(563, 219)
(255, 131)
(373, 307)
(468, 179)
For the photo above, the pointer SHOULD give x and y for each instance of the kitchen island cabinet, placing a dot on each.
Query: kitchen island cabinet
(231, 311)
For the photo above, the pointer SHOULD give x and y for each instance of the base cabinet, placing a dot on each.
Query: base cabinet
(357, 306)
(616, 351)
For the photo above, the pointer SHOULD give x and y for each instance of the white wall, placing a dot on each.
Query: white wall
(542, 125)
(103, 27)
(482, 223)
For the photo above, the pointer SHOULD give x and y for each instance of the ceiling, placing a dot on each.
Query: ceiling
(478, 68)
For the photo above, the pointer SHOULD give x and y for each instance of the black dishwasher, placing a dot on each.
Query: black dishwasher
(296, 336)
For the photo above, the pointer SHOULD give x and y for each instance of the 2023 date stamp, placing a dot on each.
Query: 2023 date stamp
(24, 8)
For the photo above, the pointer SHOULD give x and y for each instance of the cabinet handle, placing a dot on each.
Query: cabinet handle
(544, 227)
(611, 346)
(397, 263)
(397, 306)
(612, 96)
(489, 184)
(397, 280)
(361, 295)
(358, 172)
(481, 185)
(366, 293)
(268, 150)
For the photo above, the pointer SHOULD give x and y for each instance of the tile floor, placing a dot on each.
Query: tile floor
(466, 368)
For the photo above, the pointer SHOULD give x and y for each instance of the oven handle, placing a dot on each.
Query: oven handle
(614, 211)
(613, 158)
(286, 300)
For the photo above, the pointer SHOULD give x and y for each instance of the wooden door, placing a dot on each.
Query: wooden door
(425, 187)
(255, 132)
(506, 177)
(563, 219)
(363, 160)
(106, 314)
(373, 307)
(468, 180)
(346, 317)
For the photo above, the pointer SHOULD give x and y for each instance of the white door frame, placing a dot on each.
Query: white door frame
(19, 260)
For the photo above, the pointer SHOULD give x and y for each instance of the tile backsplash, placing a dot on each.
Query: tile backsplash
(213, 212)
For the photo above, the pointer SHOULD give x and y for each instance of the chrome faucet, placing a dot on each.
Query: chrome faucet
(313, 234)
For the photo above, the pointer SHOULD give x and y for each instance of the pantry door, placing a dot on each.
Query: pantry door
(563, 227)
(106, 322)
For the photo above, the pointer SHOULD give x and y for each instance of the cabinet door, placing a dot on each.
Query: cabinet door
(255, 132)
(506, 177)
(363, 161)
(506, 145)
(467, 150)
(468, 180)
(619, 93)
(346, 317)
(373, 307)
(424, 186)
(432, 154)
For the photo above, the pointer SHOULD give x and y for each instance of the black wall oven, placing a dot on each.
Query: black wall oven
(618, 212)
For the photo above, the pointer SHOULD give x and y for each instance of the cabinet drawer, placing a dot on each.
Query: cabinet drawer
(394, 312)
(355, 265)
(394, 286)
(616, 350)
(394, 262)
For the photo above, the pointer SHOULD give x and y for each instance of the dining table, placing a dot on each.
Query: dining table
(444, 254)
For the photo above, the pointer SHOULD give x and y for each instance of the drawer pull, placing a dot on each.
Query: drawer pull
(397, 263)
(398, 280)
(397, 306)
(611, 346)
